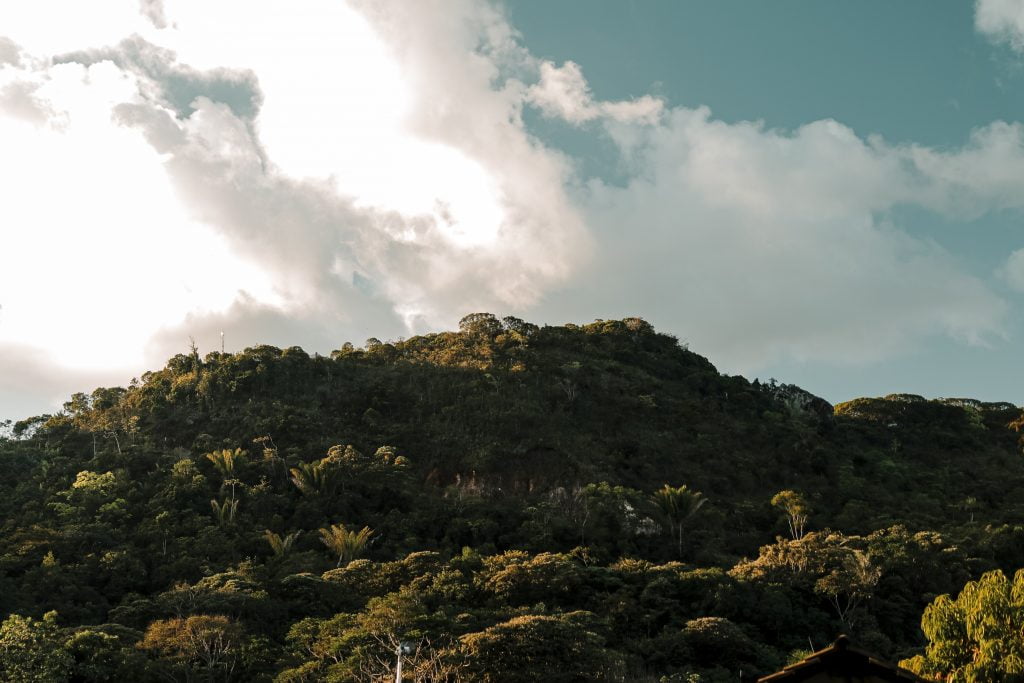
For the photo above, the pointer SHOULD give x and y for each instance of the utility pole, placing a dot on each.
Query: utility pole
(222, 342)
(402, 649)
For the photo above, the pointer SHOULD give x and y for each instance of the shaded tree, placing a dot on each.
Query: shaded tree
(278, 545)
(796, 509)
(32, 651)
(346, 544)
(678, 505)
(202, 645)
(555, 648)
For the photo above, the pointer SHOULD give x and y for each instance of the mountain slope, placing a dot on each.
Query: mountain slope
(501, 438)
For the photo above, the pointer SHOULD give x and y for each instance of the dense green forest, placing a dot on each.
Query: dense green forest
(511, 502)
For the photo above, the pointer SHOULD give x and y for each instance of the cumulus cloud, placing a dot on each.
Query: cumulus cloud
(317, 247)
(154, 11)
(337, 250)
(10, 53)
(18, 99)
(1001, 21)
(163, 79)
(764, 245)
(985, 174)
(563, 92)
(465, 95)
(1012, 272)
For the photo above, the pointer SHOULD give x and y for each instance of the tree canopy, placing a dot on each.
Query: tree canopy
(497, 499)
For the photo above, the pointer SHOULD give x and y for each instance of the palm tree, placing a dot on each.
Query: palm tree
(348, 545)
(224, 510)
(279, 545)
(304, 477)
(678, 504)
(318, 478)
(225, 461)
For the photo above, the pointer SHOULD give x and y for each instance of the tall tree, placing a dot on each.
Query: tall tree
(280, 545)
(978, 636)
(678, 504)
(796, 509)
(199, 644)
(346, 544)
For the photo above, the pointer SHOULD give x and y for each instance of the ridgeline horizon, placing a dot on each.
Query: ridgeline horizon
(373, 342)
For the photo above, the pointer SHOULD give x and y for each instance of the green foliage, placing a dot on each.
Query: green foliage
(796, 509)
(346, 544)
(484, 324)
(678, 505)
(314, 479)
(512, 511)
(226, 460)
(978, 636)
(516, 578)
(106, 653)
(716, 641)
(32, 651)
(540, 647)
(206, 645)
(280, 546)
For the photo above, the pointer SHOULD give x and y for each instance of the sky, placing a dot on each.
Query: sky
(826, 193)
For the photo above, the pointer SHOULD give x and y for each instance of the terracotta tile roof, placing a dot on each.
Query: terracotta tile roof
(842, 662)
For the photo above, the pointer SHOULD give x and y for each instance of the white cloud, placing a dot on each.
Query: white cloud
(563, 92)
(985, 174)
(433, 198)
(461, 62)
(1001, 20)
(97, 251)
(758, 245)
(18, 99)
(10, 53)
(1012, 272)
(336, 107)
(154, 11)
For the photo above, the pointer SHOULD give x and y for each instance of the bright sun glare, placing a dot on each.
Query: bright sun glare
(123, 258)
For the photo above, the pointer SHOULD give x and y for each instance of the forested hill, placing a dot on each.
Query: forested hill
(588, 501)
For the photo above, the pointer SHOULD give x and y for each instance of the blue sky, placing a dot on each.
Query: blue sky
(911, 71)
(826, 193)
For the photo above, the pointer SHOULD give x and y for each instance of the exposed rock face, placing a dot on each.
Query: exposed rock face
(798, 401)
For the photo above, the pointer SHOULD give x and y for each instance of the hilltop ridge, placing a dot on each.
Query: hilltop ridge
(552, 454)
(521, 408)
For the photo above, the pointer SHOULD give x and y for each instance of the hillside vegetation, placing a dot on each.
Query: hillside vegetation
(513, 502)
